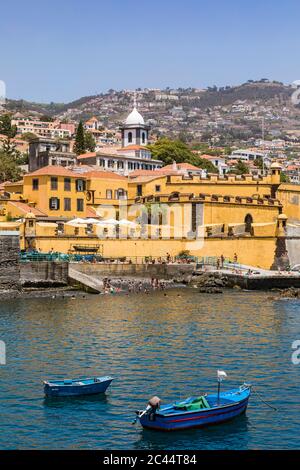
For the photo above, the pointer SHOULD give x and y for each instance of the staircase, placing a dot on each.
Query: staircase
(92, 283)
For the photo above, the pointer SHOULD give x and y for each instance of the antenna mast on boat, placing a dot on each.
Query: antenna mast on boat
(221, 374)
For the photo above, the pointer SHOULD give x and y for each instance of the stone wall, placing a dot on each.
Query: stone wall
(44, 273)
(178, 272)
(9, 261)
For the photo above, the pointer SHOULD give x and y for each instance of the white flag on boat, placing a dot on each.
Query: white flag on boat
(221, 374)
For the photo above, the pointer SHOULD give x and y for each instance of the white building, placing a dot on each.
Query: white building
(133, 155)
(246, 155)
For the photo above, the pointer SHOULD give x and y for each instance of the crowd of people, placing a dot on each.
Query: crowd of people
(114, 286)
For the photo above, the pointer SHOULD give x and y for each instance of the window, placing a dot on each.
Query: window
(108, 194)
(35, 184)
(67, 184)
(80, 204)
(54, 204)
(139, 190)
(143, 137)
(157, 188)
(129, 137)
(53, 183)
(120, 193)
(80, 185)
(67, 204)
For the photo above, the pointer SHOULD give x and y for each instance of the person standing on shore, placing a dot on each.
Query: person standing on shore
(222, 261)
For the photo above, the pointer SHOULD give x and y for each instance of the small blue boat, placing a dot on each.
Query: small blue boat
(77, 387)
(195, 411)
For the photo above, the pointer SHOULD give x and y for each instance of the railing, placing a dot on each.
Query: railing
(96, 258)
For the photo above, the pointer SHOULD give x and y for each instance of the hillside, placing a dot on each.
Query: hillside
(236, 110)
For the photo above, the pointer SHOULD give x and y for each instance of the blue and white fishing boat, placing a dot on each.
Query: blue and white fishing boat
(196, 411)
(77, 387)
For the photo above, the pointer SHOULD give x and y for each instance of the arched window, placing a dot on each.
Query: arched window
(248, 223)
(143, 137)
(129, 137)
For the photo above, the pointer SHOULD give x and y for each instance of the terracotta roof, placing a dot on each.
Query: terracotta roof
(104, 175)
(209, 157)
(180, 166)
(90, 212)
(25, 208)
(92, 119)
(53, 170)
(133, 147)
(8, 183)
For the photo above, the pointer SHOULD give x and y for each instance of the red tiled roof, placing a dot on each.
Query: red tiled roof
(211, 157)
(53, 170)
(132, 147)
(7, 183)
(104, 175)
(25, 208)
(90, 212)
(86, 155)
(180, 166)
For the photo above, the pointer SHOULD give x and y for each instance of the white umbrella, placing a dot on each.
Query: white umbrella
(106, 222)
(91, 221)
(128, 223)
(76, 221)
(111, 221)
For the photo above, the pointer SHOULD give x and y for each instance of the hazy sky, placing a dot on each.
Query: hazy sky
(60, 50)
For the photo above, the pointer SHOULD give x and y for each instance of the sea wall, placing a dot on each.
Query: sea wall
(44, 273)
(9, 261)
(181, 273)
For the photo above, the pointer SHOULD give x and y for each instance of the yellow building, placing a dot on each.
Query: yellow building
(227, 214)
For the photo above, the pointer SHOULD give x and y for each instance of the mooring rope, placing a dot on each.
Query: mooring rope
(266, 403)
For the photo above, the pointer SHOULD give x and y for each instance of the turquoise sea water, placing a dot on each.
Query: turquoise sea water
(169, 346)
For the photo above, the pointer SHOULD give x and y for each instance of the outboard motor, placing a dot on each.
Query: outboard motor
(153, 405)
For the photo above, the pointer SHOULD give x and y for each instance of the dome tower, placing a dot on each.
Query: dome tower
(134, 130)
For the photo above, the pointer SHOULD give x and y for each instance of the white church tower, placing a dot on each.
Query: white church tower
(134, 130)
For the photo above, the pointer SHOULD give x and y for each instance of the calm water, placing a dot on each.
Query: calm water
(170, 346)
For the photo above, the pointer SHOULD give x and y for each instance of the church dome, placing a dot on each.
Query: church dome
(134, 118)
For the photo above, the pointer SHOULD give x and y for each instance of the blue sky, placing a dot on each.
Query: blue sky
(60, 50)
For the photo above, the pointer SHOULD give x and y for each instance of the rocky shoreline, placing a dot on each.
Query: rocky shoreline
(210, 283)
(51, 292)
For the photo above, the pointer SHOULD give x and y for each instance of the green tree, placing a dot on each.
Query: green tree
(205, 165)
(259, 162)
(170, 150)
(5, 126)
(79, 146)
(9, 148)
(9, 169)
(28, 136)
(240, 168)
(89, 142)
(174, 150)
(284, 178)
